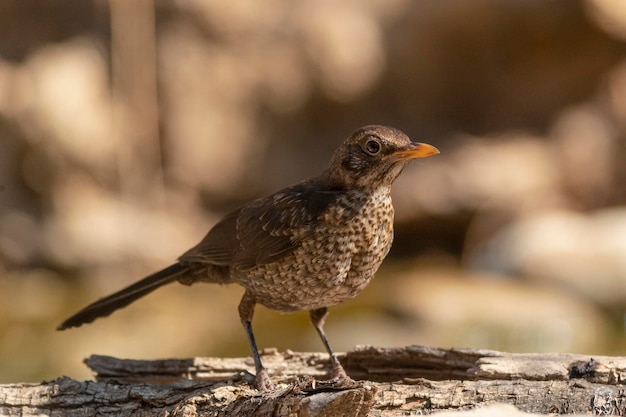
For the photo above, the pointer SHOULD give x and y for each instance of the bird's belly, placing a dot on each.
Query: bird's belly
(327, 269)
(325, 281)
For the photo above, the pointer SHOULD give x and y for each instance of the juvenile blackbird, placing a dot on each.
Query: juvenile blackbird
(307, 247)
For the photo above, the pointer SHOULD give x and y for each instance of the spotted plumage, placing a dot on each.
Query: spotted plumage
(306, 247)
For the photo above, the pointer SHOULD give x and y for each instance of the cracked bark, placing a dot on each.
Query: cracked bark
(394, 382)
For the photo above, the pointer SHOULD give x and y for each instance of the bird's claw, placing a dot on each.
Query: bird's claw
(263, 382)
(338, 372)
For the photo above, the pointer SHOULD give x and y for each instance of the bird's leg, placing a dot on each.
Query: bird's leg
(246, 311)
(318, 317)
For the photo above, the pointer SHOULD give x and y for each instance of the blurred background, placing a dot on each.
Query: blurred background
(128, 128)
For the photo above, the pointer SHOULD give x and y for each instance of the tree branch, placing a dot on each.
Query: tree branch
(396, 381)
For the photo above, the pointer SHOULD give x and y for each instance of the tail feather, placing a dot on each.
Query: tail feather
(107, 305)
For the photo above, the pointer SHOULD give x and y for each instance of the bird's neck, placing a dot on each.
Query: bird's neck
(336, 178)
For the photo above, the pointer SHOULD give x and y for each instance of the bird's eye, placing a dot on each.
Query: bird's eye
(372, 146)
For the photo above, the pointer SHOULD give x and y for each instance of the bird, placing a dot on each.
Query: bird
(309, 246)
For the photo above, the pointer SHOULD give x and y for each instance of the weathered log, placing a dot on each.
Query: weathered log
(396, 381)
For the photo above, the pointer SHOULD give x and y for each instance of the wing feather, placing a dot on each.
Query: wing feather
(265, 230)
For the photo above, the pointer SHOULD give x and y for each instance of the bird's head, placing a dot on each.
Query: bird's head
(373, 156)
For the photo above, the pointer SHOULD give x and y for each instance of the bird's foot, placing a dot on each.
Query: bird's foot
(341, 382)
(338, 372)
(263, 382)
(339, 379)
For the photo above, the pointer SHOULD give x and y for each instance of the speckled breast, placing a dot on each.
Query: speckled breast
(335, 261)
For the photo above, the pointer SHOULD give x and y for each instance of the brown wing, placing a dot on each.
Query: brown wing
(266, 230)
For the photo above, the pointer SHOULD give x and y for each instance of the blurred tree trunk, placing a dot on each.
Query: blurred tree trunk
(395, 382)
(135, 92)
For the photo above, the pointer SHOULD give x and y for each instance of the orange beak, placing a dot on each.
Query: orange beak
(413, 151)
